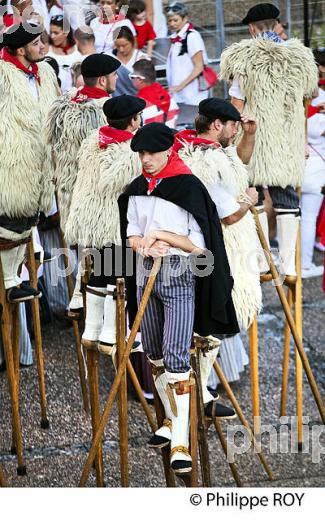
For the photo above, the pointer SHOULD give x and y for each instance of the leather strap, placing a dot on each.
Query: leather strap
(9, 244)
(98, 293)
(179, 449)
(157, 371)
(168, 423)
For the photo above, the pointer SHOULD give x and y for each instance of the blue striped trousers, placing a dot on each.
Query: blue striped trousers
(167, 324)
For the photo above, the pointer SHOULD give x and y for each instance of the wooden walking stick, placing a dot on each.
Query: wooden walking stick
(120, 372)
(122, 397)
(242, 417)
(286, 359)
(11, 374)
(76, 332)
(3, 482)
(141, 397)
(292, 325)
(32, 269)
(253, 362)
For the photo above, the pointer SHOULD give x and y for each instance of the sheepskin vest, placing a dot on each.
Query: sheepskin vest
(25, 157)
(68, 124)
(103, 175)
(275, 78)
(223, 167)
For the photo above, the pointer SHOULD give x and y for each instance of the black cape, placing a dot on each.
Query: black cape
(214, 308)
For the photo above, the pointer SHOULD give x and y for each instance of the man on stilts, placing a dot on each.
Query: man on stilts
(93, 220)
(209, 153)
(269, 79)
(28, 87)
(168, 212)
(71, 120)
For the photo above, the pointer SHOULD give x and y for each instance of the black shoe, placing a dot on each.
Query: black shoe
(47, 257)
(24, 367)
(30, 290)
(157, 441)
(181, 466)
(3, 367)
(18, 295)
(214, 409)
(214, 393)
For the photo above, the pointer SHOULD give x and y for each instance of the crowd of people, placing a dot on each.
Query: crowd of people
(92, 147)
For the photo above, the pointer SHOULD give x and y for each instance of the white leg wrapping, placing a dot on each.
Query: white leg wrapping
(262, 261)
(11, 260)
(180, 423)
(77, 298)
(94, 315)
(161, 384)
(287, 226)
(108, 333)
(206, 363)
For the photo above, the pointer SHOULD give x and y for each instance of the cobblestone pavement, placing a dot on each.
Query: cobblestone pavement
(55, 457)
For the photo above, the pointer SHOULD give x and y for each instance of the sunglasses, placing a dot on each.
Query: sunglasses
(136, 76)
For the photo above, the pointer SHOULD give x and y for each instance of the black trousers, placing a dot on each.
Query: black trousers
(107, 266)
(282, 198)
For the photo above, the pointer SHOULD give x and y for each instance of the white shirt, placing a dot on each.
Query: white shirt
(149, 213)
(65, 62)
(180, 67)
(104, 33)
(235, 90)
(226, 203)
(316, 138)
(137, 55)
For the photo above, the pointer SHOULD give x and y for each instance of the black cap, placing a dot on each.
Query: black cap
(216, 107)
(153, 137)
(18, 36)
(261, 12)
(123, 106)
(97, 65)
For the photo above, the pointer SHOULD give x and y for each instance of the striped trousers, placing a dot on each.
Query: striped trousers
(167, 324)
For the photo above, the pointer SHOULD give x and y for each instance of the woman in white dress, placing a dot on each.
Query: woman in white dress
(64, 50)
(186, 58)
(126, 49)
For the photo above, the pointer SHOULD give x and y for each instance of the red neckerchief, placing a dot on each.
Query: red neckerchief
(117, 18)
(312, 111)
(174, 167)
(178, 38)
(85, 93)
(65, 48)
(32, 71)
(157, 95)
(109, 135)
(190, 137)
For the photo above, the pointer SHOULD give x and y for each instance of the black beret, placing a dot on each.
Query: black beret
(18, 36)
(97, 65)
(261, 12)
(219, 108)
(153, 137)
(123, 106)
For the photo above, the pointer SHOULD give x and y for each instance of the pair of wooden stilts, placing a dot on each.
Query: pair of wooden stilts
(198, 422)
(293, 326)
(9, 313)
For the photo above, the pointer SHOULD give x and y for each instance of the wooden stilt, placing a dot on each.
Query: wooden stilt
(223, 443)
(76, 332)
(92, 365)
(119, 374)
(14, 309)
(242, 418)
(122, 401)
(253, 359)
(299, 368)
(286, 359)
(32, 269)
(201, 423)
(292, 324)
(165, 452)
(141, 397)
(6, 326)
(194, 432)
(3, 482)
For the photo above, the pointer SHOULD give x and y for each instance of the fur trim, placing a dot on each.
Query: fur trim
(224, 167)
(275, 79)
(68, 124)
(25, 162)
(94, 216)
